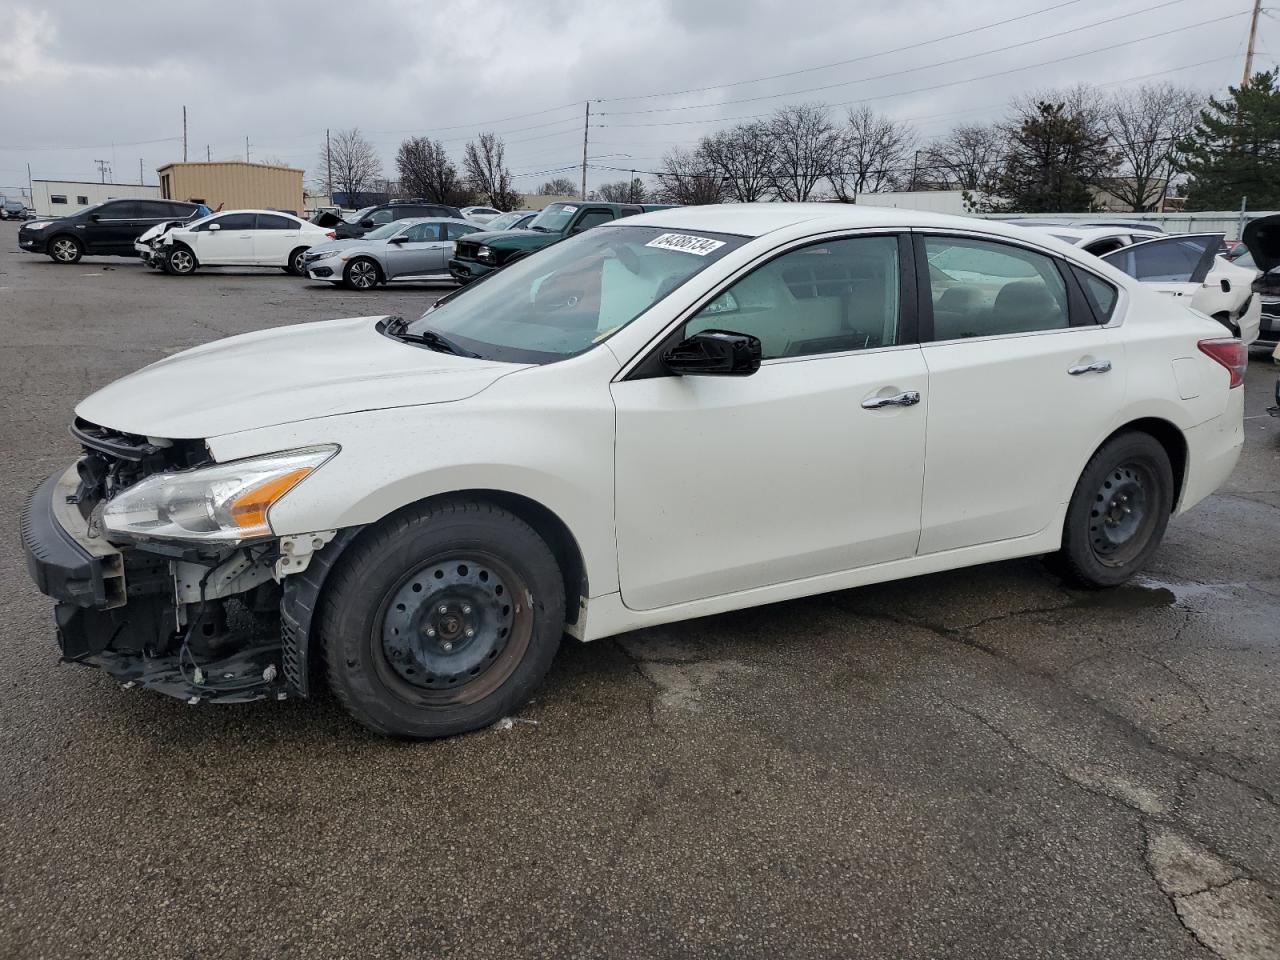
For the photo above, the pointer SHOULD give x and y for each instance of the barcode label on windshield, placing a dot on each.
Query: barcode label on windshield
(698, 246)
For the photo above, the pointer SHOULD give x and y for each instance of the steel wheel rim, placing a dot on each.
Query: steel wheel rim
(1121, 516)
(363, 274)
(64, 250)
(181, 261)
(421, 647)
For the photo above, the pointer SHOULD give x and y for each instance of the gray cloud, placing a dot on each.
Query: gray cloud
(88, 76)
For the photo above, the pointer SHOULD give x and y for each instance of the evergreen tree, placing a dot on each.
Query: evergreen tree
(1055, 153)
(1234, 150)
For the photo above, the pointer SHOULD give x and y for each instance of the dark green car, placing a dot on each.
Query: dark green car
(482, 253)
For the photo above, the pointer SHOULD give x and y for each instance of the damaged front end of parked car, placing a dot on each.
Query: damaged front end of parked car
(165, 568)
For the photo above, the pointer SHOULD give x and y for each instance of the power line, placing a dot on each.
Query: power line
(842, 63)
(953, 83)
(898, 73)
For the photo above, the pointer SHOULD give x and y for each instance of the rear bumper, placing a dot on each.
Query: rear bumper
(464, 271)
(1213, 448)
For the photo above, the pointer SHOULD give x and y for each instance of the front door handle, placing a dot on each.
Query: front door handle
(908, 398)
(1098, 366)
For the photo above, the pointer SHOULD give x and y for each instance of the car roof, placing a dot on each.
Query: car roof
(757, 219)
(1082, 235)
(278, 213)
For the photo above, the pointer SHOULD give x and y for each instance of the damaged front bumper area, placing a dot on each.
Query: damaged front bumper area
(194, 622)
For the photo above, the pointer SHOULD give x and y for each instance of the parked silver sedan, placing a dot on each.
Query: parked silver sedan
(401, 251)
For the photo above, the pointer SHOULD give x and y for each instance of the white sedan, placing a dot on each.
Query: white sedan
(677, 414)
(233, 238)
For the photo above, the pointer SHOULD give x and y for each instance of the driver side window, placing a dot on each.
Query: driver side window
(829, 297)
(379, 217)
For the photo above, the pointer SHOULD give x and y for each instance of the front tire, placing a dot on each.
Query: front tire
(65, 249)
(180, 262)
(361, 274)
(441, 620)
(1118, 512)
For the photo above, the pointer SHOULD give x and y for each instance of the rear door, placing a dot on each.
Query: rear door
(274, 238)
(1176, 266)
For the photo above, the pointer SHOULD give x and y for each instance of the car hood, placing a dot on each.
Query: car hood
(330, 247)
(512, 238)
(1262, 238)
(284, 375)
(158, 229)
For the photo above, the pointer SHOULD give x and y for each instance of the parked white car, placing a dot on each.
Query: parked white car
(674, 415)
(232, 238)
(480, 214)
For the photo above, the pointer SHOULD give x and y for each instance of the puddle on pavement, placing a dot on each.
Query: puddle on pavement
(1147, 594)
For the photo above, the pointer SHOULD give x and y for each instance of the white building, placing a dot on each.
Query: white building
(61, 198)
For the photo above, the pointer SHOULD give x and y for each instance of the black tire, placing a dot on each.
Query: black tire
(180, 261)
(295, 262)
(395, 616)
(362, 273)
(65, 248)
(1118, 512)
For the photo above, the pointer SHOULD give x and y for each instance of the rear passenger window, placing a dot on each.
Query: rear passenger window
(824, 298)
(1101, 295)
(269, 221)
(456, 230)
(983, 289)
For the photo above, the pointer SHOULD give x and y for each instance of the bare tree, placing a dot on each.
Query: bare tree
(1144, 124)
(872, 154)
(805, 145)
(559, 187)
(966, 158)
(687, 179)
(354, 160)
(426, 171)
(624, 191)
(484, 161)
(745, 157)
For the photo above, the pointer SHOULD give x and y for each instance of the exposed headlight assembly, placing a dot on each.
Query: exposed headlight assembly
(224, 504)
(487, 255)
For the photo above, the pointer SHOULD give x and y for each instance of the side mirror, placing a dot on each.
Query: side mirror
(400, 239)
(715, 353)
(94, 217)
(214, 226)
(367, 224)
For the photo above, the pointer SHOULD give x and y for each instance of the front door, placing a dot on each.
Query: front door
(1023, 383)
(417, 251)
(811, 466)
(230, 243)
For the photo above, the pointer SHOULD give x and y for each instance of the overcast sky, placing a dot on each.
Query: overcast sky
(85, 80)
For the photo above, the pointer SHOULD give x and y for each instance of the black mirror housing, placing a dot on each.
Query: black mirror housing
(366, 224)
(715, 353)
(399, 239)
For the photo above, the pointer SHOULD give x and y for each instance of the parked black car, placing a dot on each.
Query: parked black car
(365, 220)
(103, 229)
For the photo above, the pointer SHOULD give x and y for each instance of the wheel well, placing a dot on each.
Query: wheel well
(296, 250)
(1174, 443)
(68, 236)
(376, 265)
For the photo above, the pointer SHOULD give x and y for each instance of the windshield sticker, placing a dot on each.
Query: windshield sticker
(698, 246)
(568, 209)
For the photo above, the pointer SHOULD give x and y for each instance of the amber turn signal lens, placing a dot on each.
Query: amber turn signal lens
(249, 510)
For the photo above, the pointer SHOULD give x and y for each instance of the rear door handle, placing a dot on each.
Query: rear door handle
(1098, 366)
(908, 398)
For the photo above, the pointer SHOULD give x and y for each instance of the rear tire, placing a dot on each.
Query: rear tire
(295, 266)
(65, 249)
(361, 274)
(442, 619)
(1118, 512)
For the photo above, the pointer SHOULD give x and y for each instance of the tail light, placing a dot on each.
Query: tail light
(332, 234)
(1229, 352)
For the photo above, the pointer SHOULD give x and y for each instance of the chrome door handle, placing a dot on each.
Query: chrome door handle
(1098, 366)
(908, 398)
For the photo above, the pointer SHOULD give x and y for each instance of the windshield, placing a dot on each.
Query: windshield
(554, 218)
(359, 215)
(504, 222)
(564, 300)
(386, 230)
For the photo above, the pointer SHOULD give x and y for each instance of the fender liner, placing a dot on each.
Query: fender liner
(298, 601)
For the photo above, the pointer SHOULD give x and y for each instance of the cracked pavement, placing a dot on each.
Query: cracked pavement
(978, 763)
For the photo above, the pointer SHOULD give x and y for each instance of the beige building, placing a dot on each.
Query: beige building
(233, 185)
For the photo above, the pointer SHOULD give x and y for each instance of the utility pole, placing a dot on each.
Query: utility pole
(1253, 36)
(631, 188)
(1240, 225)
(141, 181)
(102, 169)
(328, 166)
(246, 149)
(586, 125)
(184, 133)
(31, 193)
(208, 153)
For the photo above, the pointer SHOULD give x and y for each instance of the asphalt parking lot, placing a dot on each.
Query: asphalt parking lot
(974, 764)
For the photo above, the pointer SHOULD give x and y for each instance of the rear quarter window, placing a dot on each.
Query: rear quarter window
(1101, 295)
